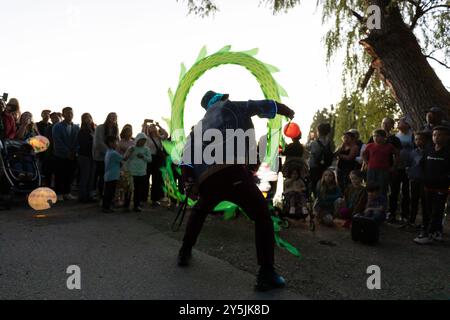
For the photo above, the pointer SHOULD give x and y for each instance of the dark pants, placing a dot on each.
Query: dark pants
(343, 178)
(108, 193)
(236, 185)
(380, 177)
(86, 171)
(157, 184)
(99, 177)
(48, 169)
(434, 213)
(316, 174)
(417, 194)
(154, 170)
(399, 180)
(139, 190)
(64, 170)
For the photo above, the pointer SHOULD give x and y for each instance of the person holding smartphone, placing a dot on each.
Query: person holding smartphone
(155, 135)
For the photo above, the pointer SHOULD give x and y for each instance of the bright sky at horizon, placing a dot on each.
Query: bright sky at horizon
(100, 56)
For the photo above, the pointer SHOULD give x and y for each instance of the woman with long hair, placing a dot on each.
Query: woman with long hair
(346, 155)
(327, 192)
(8, 123)
(86, 164)
(13, 108)
(108, 128)
(126, 139)
(155, 135)
(27, 128)
(125, 185)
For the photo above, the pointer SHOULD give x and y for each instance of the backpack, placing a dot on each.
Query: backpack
(326, 156)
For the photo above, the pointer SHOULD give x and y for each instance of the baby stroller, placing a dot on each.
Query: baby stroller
(298, 205)
(19, 169)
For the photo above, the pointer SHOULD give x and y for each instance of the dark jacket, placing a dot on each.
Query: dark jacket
(437, 169)
(63, 144)
(85, 141)
(223, 116)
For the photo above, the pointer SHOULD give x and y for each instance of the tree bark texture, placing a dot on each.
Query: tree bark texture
(399, 61)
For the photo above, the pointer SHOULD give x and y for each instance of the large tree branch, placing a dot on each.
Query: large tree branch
(419, 13)
(446, 6)
(360, 18)
(367, 78)
(423, 9)
(429, 56)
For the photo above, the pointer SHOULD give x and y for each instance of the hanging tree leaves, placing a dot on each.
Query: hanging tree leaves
(412, 33)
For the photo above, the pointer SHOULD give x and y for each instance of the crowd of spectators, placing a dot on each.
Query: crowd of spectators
(389, 178)
(79, 155)
(407, 167)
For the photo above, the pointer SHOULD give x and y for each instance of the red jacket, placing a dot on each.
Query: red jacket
(9, 125)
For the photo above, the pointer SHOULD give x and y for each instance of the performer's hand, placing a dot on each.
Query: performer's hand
(285, 111)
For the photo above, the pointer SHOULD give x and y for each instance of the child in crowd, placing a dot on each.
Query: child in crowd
(415, 172)
(22, 162)
(327, 194)
(294, 193)
(138, 156)
(125, 185)
(376, 205)
(112, 172)
(381, 159)
(437, 183)
(355, 198)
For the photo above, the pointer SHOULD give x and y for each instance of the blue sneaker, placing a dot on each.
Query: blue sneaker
(268, 279)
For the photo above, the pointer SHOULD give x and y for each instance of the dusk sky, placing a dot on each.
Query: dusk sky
(100, 56)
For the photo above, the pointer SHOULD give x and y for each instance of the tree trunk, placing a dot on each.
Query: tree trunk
(400, 62)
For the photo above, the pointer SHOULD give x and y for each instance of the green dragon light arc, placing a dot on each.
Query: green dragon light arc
(271, 89)
(260, 70)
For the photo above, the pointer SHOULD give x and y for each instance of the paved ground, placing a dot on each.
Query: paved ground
(332, 265)
(132, 256)
(121, 256)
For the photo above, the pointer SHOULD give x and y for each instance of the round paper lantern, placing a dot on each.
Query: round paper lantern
(39, 143)
(41, 198)
(292, 130)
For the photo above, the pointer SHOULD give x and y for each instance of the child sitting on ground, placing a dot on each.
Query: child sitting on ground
(294, 193)
(327, 194)
(376, 206)
(355, 198)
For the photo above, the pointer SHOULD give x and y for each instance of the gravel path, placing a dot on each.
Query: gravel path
(332, 265)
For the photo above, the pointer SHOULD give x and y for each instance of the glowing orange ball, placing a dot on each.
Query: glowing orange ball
(292, 130)
(41, 198)
(39, 143)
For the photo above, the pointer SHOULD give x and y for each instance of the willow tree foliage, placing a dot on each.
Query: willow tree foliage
(410, 34)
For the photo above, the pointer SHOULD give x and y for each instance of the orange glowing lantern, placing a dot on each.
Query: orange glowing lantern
(39, 143)
(42, 199)
(292, 130)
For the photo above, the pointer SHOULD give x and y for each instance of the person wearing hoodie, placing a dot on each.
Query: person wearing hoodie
(227, 177)
(138, 157)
